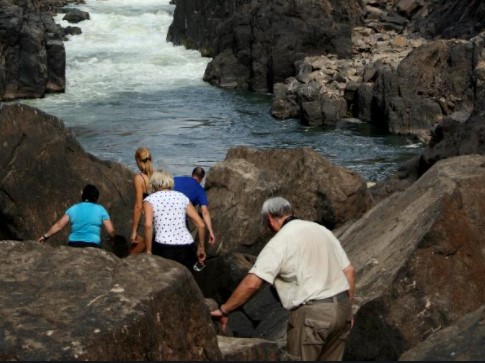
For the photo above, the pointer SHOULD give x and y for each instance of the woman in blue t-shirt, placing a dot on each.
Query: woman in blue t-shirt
(86, 219)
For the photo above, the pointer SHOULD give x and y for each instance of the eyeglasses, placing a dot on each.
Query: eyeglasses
(199, 266)
(147, 159)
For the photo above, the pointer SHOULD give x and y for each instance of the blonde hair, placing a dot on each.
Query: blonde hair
(161, 180)
(143, 159)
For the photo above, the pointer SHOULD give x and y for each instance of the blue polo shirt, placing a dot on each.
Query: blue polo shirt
(191, 188)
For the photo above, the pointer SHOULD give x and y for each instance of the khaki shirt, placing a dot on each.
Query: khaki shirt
(304, 261)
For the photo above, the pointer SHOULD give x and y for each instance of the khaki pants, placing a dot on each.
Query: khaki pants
(317, 331)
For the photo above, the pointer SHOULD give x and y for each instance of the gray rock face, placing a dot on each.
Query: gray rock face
(462, 341)
(32, 55)
(420, 259)
(265, 38)
(432, 82)
(42, 172)
(244, 349)
(70, 304)
(320, 191)
(444, 19)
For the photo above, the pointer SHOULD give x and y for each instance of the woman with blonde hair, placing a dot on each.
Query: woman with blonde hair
(141, 184)
(166, 211)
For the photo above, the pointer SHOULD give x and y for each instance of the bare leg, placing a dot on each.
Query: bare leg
(139, 246)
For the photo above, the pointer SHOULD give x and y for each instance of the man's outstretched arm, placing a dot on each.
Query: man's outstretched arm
(244, 291)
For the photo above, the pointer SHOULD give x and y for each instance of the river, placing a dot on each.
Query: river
(127, 87)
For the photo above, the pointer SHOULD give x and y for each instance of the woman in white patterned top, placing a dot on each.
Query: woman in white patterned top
(165, 211)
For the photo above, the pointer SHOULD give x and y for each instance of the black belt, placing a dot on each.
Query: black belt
(341, 296)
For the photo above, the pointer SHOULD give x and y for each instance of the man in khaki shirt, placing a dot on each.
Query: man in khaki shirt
(314, 280)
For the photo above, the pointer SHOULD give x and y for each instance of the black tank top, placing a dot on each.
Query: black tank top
(146, 194)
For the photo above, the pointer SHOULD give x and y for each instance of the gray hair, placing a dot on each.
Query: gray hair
(161, 180)
(276, 207)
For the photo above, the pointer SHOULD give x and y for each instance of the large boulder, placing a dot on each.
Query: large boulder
(462, 341)
(32, 55)
(420, 259)
(67, 304)
(319, 191)
(452, 138)
(265, 38)
(43, 170)
(76, 15)
(433, 82)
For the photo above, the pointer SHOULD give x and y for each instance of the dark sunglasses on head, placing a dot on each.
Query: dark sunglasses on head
(147, 159)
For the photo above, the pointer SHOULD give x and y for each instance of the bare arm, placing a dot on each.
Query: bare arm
(109, 227)
(207, 220)
(148, 210)
(199, 223)
(244, 291)
(349, 272)
(56, 227)
(138, 205)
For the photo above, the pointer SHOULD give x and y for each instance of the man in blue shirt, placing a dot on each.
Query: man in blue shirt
(190, 186)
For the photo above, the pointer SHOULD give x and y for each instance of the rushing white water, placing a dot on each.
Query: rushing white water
(123, 49)
(127, 87)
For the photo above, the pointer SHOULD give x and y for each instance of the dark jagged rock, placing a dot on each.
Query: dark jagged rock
(255, 43)
(261, 317)
(32, 55)
(433, 81)
(72, 30)
(404, 91)
(458, 135)
(76, 16)
(222, 274)
(450, 138)
(445, 19)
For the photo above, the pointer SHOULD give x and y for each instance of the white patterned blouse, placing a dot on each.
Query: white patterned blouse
(169, 214)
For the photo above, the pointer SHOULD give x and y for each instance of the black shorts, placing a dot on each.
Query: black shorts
(184, 254)
(83, 244)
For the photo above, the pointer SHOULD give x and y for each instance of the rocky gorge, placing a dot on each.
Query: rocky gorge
(416, 239)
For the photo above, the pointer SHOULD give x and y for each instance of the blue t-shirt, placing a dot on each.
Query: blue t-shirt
(86, 220)
(191, 188)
